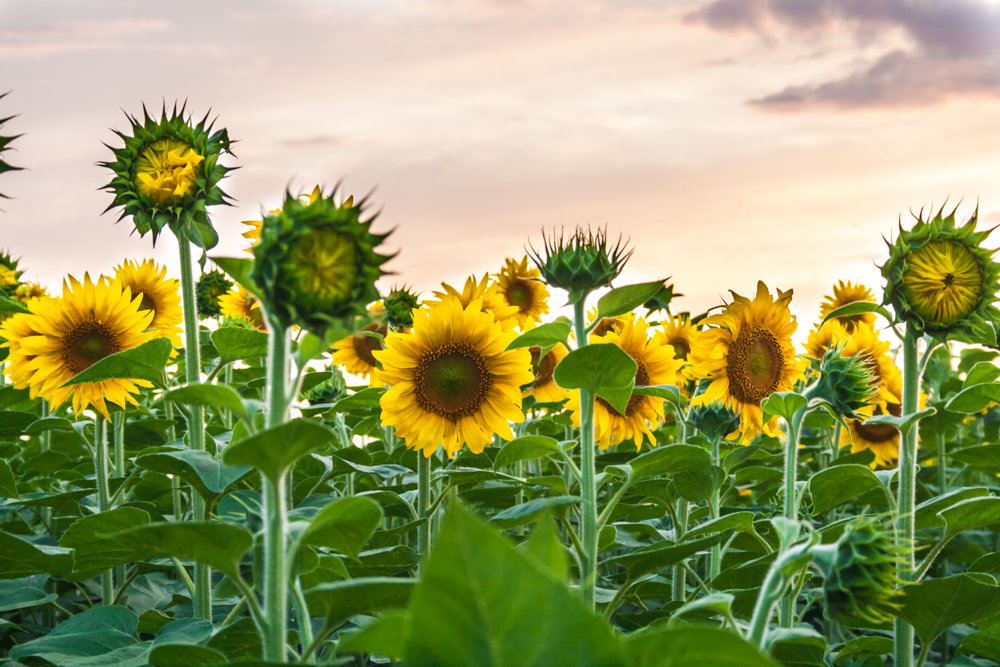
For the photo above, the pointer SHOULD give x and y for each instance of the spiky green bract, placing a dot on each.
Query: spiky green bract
(715, 420)
(661, 301)
(5, 142)
(399, 305)
(581, 263)
(966, 314)
(316, 263)
(847, 384)
(210, 287)
(328, 390)
(860, 572)
(186, 216)
(10, 273)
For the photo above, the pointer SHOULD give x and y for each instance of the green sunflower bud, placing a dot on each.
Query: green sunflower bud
(846, 383)
(328, 390)
(167, 173)
(582, 263)
(939, 278)
(860, 572)
(661, 301)
(10, 274)
(4, 146)
(210, 287)
(715, 420)
(399, 305)
(316, 264)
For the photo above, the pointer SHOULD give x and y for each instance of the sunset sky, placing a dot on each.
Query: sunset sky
(730, 140)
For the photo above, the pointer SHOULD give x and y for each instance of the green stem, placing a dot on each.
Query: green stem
(119, 449)
(588, 472)
(196, 420)
(103, 499)
(423, 505)
(678, 580)
(791, 505)
(903, 637)
(715, 554)
(302, 615)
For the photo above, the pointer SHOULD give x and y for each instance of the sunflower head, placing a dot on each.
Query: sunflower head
(716, 420)
(544, 387)
(843, 294)
(518, 286)
(210, 287)
(399, 305)
(158, 294)
(316, 263)
(26, 292)
(167, 173)
(939, 277)
(847, 383)
(241, 308)
(581, 263)
(5, 141)
(859, 572)
(10, 273)
(355, 352)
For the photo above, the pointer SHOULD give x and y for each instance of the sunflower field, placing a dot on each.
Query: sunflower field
(268, 461)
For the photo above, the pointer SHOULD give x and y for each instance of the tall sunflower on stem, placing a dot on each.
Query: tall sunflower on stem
(519, 286)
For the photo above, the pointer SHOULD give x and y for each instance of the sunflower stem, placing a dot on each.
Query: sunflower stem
(791, 505)
(588, 472)
(678, 580)
(423, 505)
(903, 635)
(715, 554)
(103, 500)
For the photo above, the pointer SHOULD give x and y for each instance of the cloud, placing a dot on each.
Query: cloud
(950, 49)
(70, 36)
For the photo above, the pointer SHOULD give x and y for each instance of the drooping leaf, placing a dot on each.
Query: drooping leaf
(835, 486)
(20, 558)
(143, 362)
(595, 368)
(216, 395)
(98, 636)
(235, 343)
(526, 512)
(210, 477)
(693, 646)
(934, 605)
(93, 551)
(670, 459)
(218, 545)
(346, 525)
(339, 600)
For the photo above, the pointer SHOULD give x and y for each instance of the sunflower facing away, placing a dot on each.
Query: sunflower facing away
(656, 364)
(354, 352)
(451, 380)
(520, 286)
(843, 294)
(70, 334)
(747, 354)
(159, 294)
(238, 304)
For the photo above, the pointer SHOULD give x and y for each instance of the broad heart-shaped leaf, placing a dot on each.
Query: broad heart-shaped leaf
(975, 398)
(218, 545)
(8, 486)
(210, 477)
(904, 423)
(617, 398)
(186, 655)
(545, 548)
(716, 603)
(840, 484)
(365, 399)
(97, 636)
(857, 308)
(93, 551)
(971, 514)
(595, 368)
(216, 395)
(544, 335)
(525, 448)
(623, 299)
(339, 600)
(982, 372)
(480, 602)
(526, 512)
(667, 392)
(984, 643)
(983, 457)
(234, 343)
(670, 459)
(693, 646)
(927, 511)
(387, 635)
(934, 605)
(801, 647)
(277, 449)
(145, 362)
(346, 525)
(740, 521)
(663, 555)
(21, 558)
(784, 404)
(24, 593)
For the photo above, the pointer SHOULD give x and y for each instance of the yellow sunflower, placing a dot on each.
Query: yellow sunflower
(544, 388)
(238, 304)
(8, 277)
(26, 292)
(520, 286)
(605, 325)
(679, 333)
(820, 340)
(166, 170)
(13, 330)
(943, 281)
(748, 355)
(865, 341)
(89, 322)
(487, 292)
(882, 439)
(354, 352)
(451, 379)
(656, 363)
(843, 294)
(159, 294)
(253, 234)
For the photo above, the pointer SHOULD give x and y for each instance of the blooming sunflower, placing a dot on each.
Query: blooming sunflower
(939, 278)
(8, 279)
(747, 355)
(680, 334)
(519, 286)
(605, 325)
(487, 292)
(354, 352)
(13, 330)
(159, 294)
(656, 363)
(544, 388)
(821, 338)
(843, 294)
(238, 304)
(451, 379)
(87, 323)
(27, 291)
(866, 342)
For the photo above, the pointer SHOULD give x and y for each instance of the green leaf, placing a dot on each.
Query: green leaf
(218, 545)
(217, 395)
(857, 308)
(346, 525)
(970, 515)
(863, 647)
(239, 269)
(698, 485)
(88, 537)
(904, 423)
(235, 343)
(668, 392)
(783, 404)
(716, 603)
(97, 636)
(528, 511)
(596, 368)
(276, 450)
(693, 646)
(480, 602)
(835, 486)
(339, 600)
(24, 593)
(145, 362)
(797, 647)
(210, 477)
(543, 547)
(617, 398)
(984, 643)
(975, 398)
(927, 511)
(186, 655)
(663, 555)
(20, 558)
(982, 372)
(366, 399)
(8, 486)
(544, 335)
(525, 448)
(934, 605)
(11, 306)
(387, 635)
(740, 521)
(623, 299)
(982, 457)
(670, 459)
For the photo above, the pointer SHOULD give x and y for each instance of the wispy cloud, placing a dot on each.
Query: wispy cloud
(70, 36)
(948, 49)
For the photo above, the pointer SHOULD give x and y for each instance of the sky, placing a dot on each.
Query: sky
(730, 141)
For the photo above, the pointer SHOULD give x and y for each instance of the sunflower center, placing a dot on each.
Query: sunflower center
(635, 401)
(543, 368)
(364, 344)
(166, 170)
(755, 365)
(681, 348)
(87, 344)
(879, 433)
(452, 381)
(943, 282)
(147, 303)
(326, 262)
(519, 294)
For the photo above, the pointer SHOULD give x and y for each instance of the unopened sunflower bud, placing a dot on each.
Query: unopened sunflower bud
(399, 305)
(715, 420)
(582, 263)
(846, 383)
(210, 287)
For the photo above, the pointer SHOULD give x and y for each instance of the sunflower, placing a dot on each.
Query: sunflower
(519, 286)
(89, 322)
(881, 439)
(604, 326)
(680, 334)
(238, 304)
(544, 388)
(656, 363)
(865, 342)
(354, 352)
(13, 330)
(843, 294)
(159, 294)
(26, 292)
(827, 334)
(451, 379)
(748, 355)
(487, 292)
(8, 279)
(211, 285)
(253, 234)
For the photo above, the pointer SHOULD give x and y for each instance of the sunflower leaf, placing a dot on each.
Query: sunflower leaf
(144, 362)
(277, 449)
(934, 605)
(975, 398)
(623, 299)
(596, 368)
(525, 448)
(783, 404)
(234, 343)
(239, 269)
(904, 423)
(11, 306)
(545, 335)
(857, 308)
(216, 395)
(339, 600)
